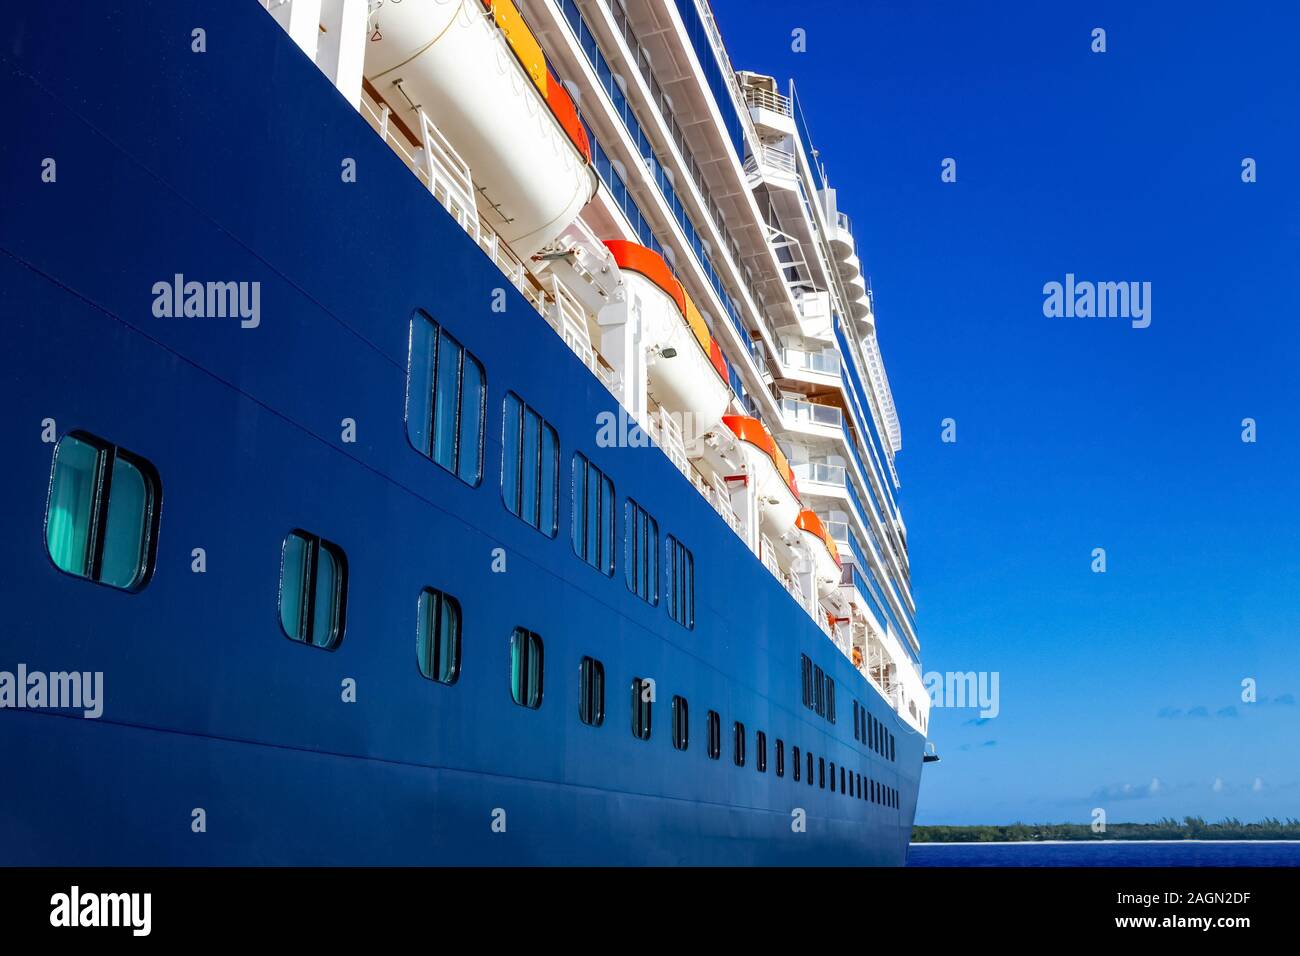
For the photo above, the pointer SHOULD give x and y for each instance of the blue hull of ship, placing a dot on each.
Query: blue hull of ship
(225, 165)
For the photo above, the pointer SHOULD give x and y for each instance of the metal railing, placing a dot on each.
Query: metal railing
(771, 157)
(825, 361)
(795, 410)
(820, 472)
(767, 100)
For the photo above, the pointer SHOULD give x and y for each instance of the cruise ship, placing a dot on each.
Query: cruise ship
(441, 432)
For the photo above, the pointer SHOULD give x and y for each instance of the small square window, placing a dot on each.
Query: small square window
(643, 695)
(681, 723)
(526, 668)
(313, 590)
(591, 692)
(438, 639)
(101, 520)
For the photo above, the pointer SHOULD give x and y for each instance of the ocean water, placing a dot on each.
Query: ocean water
(1106, 853)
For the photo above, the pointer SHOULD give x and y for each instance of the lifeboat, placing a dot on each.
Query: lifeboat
(770, 473)
(689, 375)
(479, 73)
(825, 554)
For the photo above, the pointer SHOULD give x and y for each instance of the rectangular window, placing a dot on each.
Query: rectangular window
(780, 757)
(842, 772)
(871, 731)
(760, 751)
(101, 520)
(593, 515)
(681, 723)
(891, 746)
(810, 768)
(313, 590)
(821, 772)
(681, 587)
(591, 692)
(437, 644)
(526, 668)
(795, 764)
(715, 735)
(446, 391)
(530, 466)
(738, 743)
(641, 552)
(805, 679)
(643, 693)
(856, 724)
(819, 691)
(832, 776)
(830, 700)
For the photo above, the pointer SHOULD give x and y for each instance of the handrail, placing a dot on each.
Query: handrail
(767, 100)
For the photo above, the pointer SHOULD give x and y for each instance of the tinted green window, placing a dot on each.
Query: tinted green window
(103, 513)
(72, 501)
(681, 583)
(530, 466)
(313, 590)
(526, 668)
(641, 552)
(591, 692)
(593, 515)
(642, 702)
(445, 395)
(681, 723)
(438, 639)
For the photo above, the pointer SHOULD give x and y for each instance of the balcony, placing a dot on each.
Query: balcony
(797, 413)
(771, 113)
(841, 237)
(820, 473)
(820, 362)
(772, 165)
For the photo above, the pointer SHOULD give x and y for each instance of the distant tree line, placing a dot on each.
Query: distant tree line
(1191, 828)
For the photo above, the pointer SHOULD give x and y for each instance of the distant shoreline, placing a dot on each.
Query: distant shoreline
(1187, 830)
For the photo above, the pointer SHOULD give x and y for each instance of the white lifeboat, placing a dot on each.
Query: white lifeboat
(769, 471)
(479, 73)
(825, 554)
(688, 375)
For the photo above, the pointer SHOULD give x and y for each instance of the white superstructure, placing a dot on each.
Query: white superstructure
(670, 219)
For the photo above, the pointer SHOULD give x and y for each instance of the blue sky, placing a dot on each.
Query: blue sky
(1075, 433)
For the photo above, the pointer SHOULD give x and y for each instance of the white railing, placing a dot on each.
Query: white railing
(801, 412)
(771, 157)
(767, 100)
(824, 361)
(819, 472)
(767, 554)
